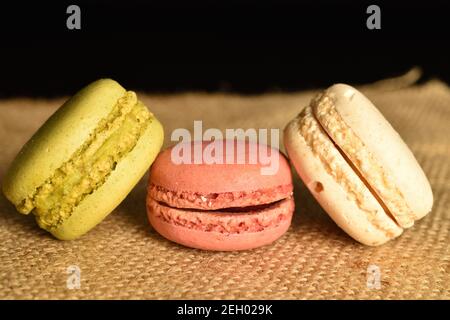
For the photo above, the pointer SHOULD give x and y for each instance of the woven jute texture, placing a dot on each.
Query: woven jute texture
(124, 257)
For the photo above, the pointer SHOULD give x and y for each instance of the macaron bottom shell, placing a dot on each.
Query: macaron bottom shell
(237, 231)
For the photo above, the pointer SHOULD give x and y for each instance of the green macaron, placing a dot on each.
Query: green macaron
(84, 160)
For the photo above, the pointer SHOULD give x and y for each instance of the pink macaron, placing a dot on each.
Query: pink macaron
(223, 195)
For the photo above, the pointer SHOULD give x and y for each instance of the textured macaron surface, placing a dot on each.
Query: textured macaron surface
(225, 204)
(75, 152)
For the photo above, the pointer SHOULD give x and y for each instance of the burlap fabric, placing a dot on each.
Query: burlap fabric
(125, 258)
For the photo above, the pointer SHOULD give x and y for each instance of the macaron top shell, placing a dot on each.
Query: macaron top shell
(206, 178)
(64, 133)
(376, 150)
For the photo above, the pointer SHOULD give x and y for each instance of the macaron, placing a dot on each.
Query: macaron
(84, 159)
(357, 166)
(225, 203)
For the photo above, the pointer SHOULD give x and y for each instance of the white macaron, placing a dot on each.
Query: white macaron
(357, 166)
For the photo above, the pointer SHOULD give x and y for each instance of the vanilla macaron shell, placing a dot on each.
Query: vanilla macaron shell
(357, 166)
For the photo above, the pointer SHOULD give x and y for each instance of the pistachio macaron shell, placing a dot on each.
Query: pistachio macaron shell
(379, 153)
(61, 136)
(96, 206)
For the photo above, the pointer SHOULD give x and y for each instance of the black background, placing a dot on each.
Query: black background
(246, 47)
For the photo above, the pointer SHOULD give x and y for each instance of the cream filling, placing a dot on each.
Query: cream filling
(337, 167)
(89, 167)
(362, 159)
